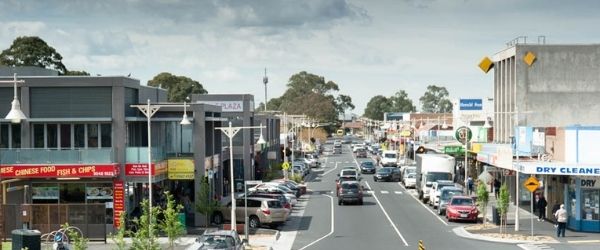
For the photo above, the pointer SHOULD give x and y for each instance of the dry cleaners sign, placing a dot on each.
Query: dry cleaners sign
(227, 106)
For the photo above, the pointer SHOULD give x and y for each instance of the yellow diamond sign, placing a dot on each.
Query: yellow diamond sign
(486, 64)
(532, 184)
(529, 58)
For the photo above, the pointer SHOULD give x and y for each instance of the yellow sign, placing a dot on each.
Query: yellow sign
(529, 58)
(286, 166)
(486, 64)
(405, 133)
(180, 169)
(532, 184)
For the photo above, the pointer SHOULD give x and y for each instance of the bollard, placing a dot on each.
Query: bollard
(421, 246)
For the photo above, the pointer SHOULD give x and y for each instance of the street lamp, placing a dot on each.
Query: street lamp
(265, 81)
(149, 110)
(230, 132)
(15, 115)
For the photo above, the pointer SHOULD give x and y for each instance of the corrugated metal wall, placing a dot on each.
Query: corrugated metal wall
(70, 102)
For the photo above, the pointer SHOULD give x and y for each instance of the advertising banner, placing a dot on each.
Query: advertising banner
(118, 201)
(181, 169)
(141, 169)
(58, 171)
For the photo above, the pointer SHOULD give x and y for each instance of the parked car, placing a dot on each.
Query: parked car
(313, 160)
(446, 193)
(350, 191)
(271, 190)
(300, 186)
(221, 239)
(407, 169)
(367, 167)
(261, 211)
(280, 197)
(410, 180)
(387, 174)
(361, 153)
(434, 191)
(462, 208)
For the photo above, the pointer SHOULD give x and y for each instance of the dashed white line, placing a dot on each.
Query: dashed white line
(387, 216)
(370, 192)
(398, 192)
(332, 226)
(426, 208)
(384, 192)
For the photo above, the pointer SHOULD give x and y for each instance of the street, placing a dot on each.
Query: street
(391, 217)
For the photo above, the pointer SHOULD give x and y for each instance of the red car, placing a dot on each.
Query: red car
(462, 208)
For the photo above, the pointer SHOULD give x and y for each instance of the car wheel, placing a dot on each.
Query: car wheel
(218, 218)
(254, 222)
(374, 179)
(439, 212)
(360, 202)
(340, 202)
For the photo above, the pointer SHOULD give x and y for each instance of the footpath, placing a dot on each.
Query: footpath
(544, 231)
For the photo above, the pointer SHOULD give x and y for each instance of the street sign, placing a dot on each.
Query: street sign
(463, 134)
(532, 184)
(285, 166)
(253, 182)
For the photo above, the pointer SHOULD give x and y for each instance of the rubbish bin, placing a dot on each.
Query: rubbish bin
(495, 216)
(181, 217)
(28, 239)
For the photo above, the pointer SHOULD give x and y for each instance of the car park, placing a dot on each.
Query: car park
(434, 191)
(387, 174)
(367, 167)
(220, 239)
(350, 192)
(446, 193)
(462, 208)
(261, 211)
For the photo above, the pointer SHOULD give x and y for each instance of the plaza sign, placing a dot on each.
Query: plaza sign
(471, 104)
(227, 106)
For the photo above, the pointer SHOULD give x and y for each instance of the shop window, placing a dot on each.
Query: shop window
(52, 135)
(44, 193)
(105, 131)
(590, 204)
(65, 136)
(572, 201)
(38, 135)
(79, 135)
(4, 136)
(72, 193)
(92, 135)
(16, 135)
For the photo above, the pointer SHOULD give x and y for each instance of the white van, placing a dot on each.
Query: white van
(389, 158)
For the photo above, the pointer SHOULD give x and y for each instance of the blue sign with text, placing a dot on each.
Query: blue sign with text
(471, 104)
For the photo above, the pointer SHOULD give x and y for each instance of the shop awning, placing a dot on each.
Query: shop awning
(557, 168)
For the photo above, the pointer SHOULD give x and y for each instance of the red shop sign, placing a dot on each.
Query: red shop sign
(58, 171)
(141, 169)
(118, 201)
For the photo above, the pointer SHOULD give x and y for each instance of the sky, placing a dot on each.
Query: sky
(367, 47)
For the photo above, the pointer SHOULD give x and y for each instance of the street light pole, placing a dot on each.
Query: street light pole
(15, 115)
(265, 81)
(230, 132)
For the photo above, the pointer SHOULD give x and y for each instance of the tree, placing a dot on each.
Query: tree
(435, 100)
(32, 51)
(343, 103)
(377, 106)
(482, 198)
(170, 223)
(401, 102)
(76, 73)
(178, 87)
(205, 204)
(503, 206)
(142, 240)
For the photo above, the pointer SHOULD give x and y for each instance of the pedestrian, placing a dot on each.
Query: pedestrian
(225, 186)
(555, 208)
(541, 207)
(561, 218)
(377, 158)
(496, 187)
(469, 185)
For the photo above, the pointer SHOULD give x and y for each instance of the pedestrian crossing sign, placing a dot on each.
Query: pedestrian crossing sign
(285, 166)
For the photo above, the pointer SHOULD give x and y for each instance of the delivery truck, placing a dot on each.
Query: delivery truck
(431, 168)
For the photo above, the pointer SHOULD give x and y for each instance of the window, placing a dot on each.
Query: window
(38, 135)
(105, 131)
(590, 202)
(4, 136)
(92, 135)
(79, 135)
(52, 135)
(16, 135)
(72, 193)
(65, 136)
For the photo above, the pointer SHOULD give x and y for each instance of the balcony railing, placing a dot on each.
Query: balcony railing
(140, 154)
(56, 156)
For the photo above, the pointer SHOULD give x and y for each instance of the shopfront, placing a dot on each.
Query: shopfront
(136, 184)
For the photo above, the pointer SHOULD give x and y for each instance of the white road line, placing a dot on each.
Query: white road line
(384, 192)
(370, 192)
(387, 216)
(426, 208)
(329, 171)
(332, 226)
(398, 192)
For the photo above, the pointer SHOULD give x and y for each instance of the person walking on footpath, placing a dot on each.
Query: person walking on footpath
(541, 207)
(496, 187)
(561, 217)
(470, 185)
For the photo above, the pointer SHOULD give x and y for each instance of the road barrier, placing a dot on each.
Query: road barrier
(421, 246)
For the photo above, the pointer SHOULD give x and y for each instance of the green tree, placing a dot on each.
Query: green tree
(76, 239)
(143, 239)
(503, 206)
(401, 102)
(76, 73)
(119, 236)
(178, 87)
(311, 95)
(377, 106)
(482, 198)
(170, 223)
(205, 204)
(32, 51)
(435, 100)
(343, 103)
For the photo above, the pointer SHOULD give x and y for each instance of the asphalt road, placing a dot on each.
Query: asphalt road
(391, 218)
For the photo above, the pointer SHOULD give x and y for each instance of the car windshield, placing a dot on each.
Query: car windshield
(462, 202)
(217, 241)
(411, 170)
(440, 185)
(384, 170)
(368, 164)
(447, 194)
(389, 155)
(411, 176)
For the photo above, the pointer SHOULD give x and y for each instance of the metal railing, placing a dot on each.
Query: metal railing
(140, 154)
(56, 156)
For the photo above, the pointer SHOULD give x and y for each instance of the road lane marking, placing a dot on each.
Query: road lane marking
(370, 192)
(426, 208)
(329, 171)
(398, 192)
(384, 192)
(332, 226)
(387, 216)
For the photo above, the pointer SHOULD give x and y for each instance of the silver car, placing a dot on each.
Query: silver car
(222, 239)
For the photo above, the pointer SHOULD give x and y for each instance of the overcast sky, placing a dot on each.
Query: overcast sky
(368, 47)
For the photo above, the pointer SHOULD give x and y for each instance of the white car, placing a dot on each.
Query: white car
(434, 191)
(410, 180)
(272, 187)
